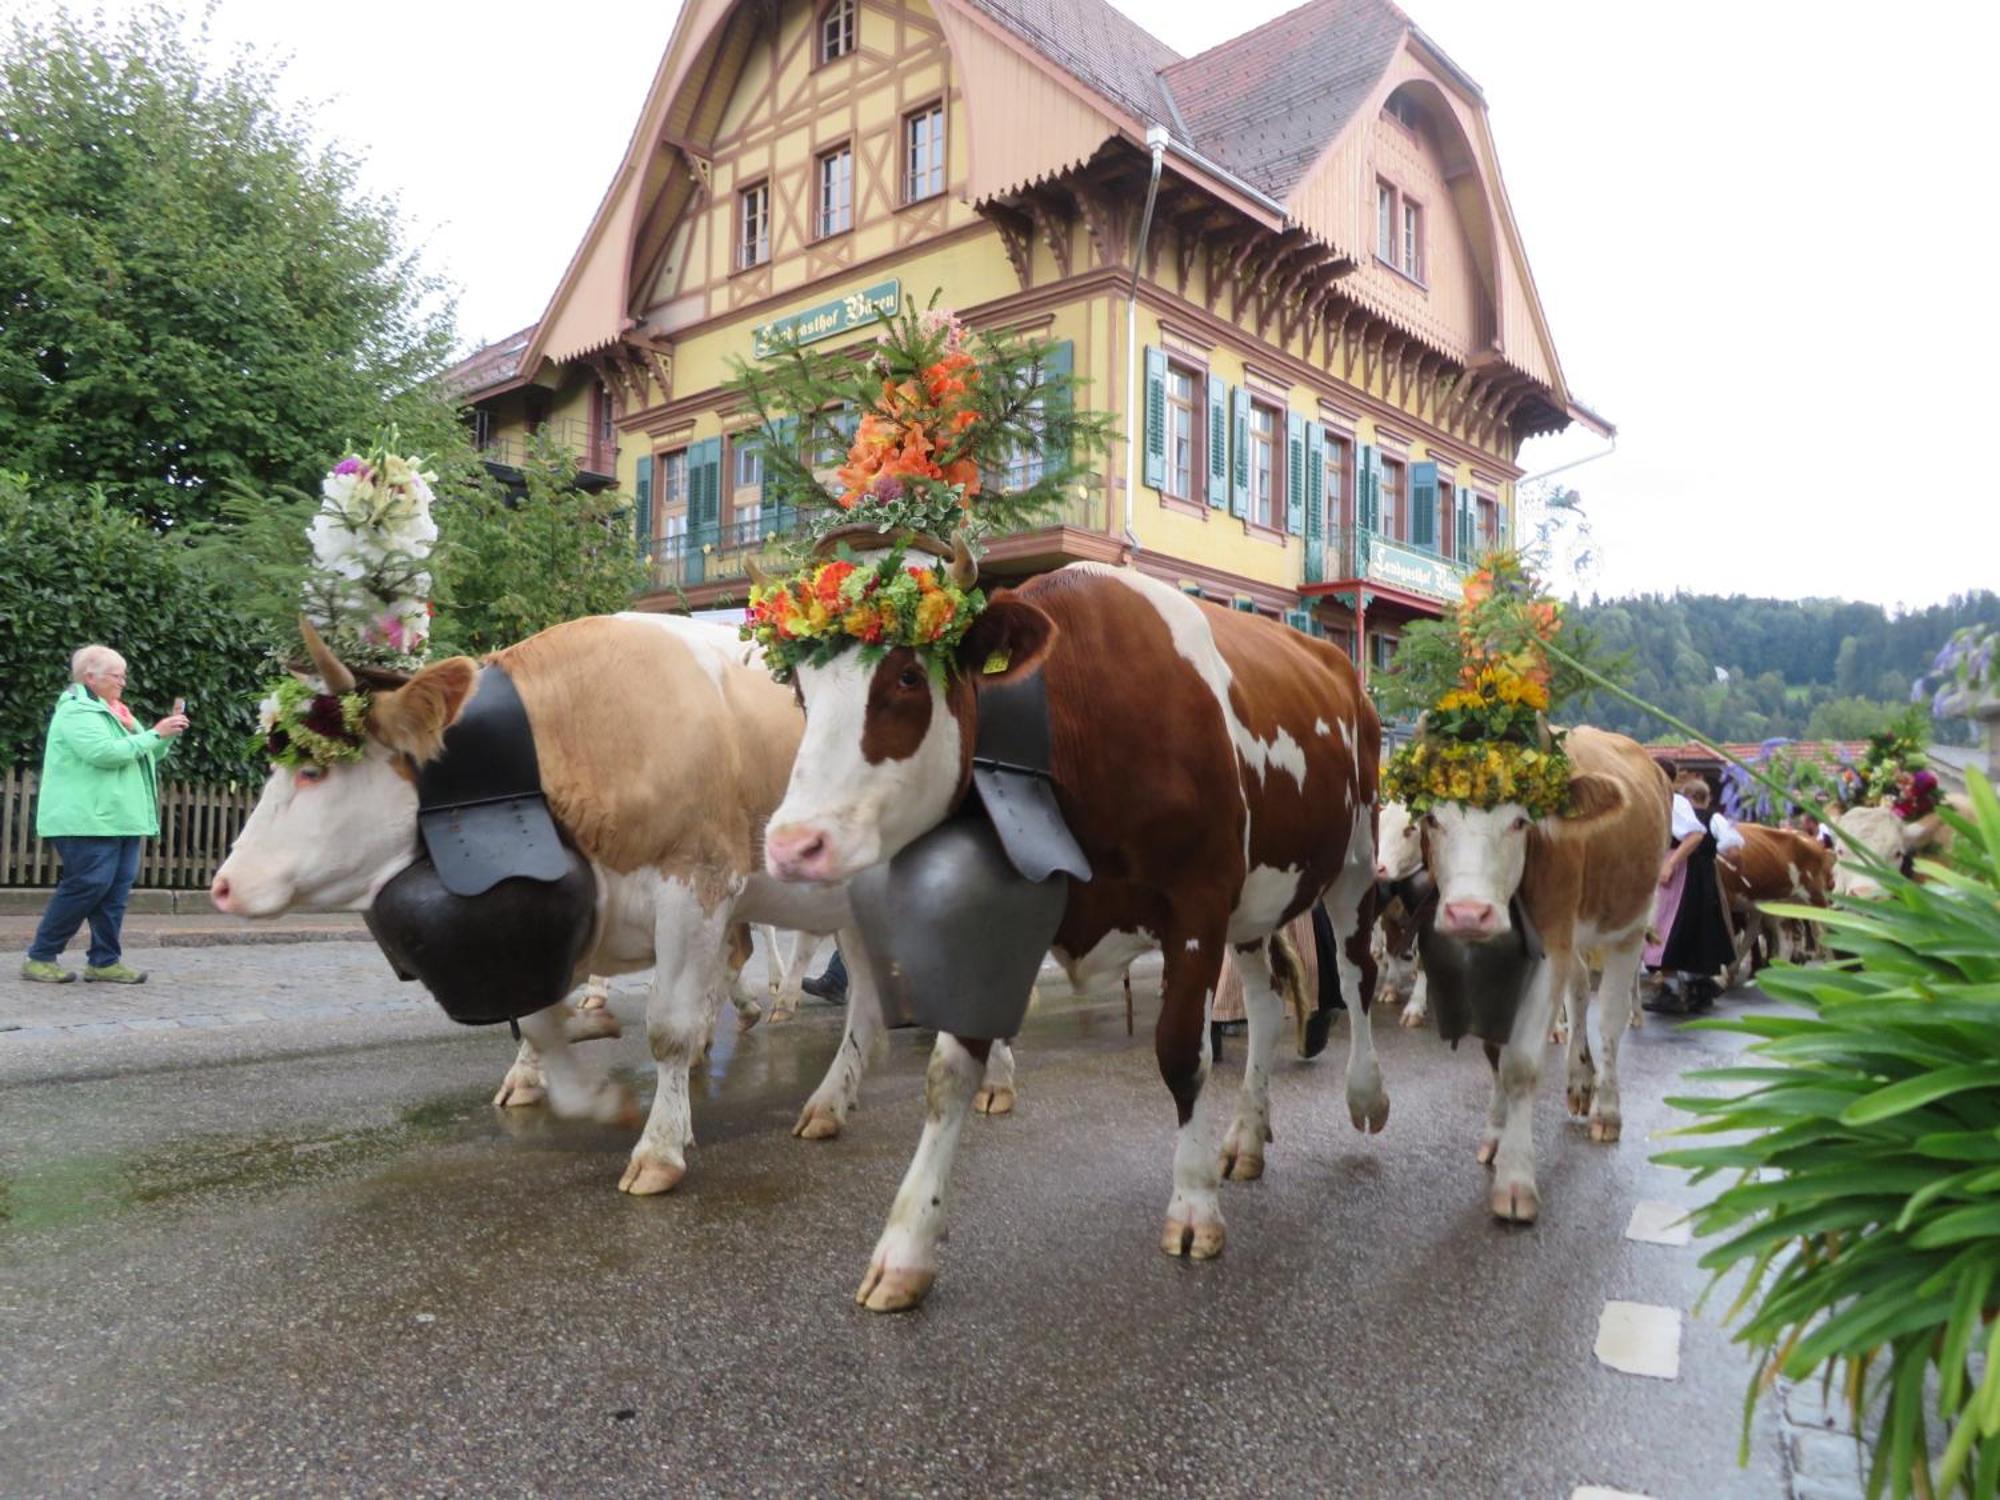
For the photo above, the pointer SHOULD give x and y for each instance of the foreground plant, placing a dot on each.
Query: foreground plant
(1864, 1143)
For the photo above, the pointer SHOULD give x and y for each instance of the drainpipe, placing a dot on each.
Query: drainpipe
(1156, 142)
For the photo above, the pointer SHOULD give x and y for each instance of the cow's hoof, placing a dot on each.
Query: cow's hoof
(1558, 1036)
(591, 1023)
(646, 1175)
(592, 1000)
(1605, 1129)
(817, 1122)
(1195, 1241)
(994, 1101)
(1579, 1097)
(780, 1012)
(1516, 1202)
(1369, 1109)
(1488, 1149)
(1241, 1166)
(745, 1019)
(1412, 1017)
(521, 1087)
(894, 1288)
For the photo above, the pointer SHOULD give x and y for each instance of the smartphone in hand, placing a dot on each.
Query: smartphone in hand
(180, 705)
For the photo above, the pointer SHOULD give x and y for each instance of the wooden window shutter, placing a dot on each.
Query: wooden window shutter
(1368, 487)
(1424, 506)
(1156, 418)
(642, 505)
(1315, 482)
(1218, 441)
(1466, 503)
(1295, 473)
(1239, 452)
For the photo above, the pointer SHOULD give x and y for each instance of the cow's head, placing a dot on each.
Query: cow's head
(326, 838)
(1477, 855)
(887, 752)
(1877, 830)
(1399, 843)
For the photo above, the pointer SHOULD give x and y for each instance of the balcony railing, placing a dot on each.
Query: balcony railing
(1352, 552)
(724, 553)
(515, 449)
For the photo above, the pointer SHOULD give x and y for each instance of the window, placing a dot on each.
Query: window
(672, 508)
(1381, 650)
(1181, 430)
(1385, 222)
(1413, 240)
(923, 153)
(1337, 453)
(836, 191)
(1487, 537)
(836, 30)
(1264, 500)
(746, 489)
(602, 456)
(753, 226)
(1402, 111)
(1024, 465)
(1393, 508)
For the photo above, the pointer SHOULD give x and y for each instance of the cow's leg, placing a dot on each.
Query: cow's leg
(789, 962)
(1264, 1009)
(1582, 1071)
(1621, 966)
(996, 1090)
(826, 1111)
(524, 1083)
(1417, 1009)
(1180, 1042)
(905, 1261)
(578, 1088)
(1514, 1197)
(1350, 903)
(691, 958)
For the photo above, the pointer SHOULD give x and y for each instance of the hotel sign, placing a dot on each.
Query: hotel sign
(830, 319)
(1407, 568)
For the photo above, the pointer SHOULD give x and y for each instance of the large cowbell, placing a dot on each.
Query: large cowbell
(496, 914)
(956, 925)
(1478, 987)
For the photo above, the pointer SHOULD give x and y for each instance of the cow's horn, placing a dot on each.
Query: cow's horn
(758, 577)
(338, 678)
(964, 571)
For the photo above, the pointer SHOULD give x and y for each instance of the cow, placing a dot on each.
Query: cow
(1218, 771)
(1586, 880)
(663, 750)
(1773, 864)
(1399, 854)
(1889, 840)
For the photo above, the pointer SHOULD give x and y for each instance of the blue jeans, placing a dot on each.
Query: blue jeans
(97, 876)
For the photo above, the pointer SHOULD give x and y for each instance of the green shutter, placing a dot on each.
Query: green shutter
(1467, 523)
(1368, 488)
(1239, 452)
(1300, 620)
(1423, 481)
(1295, 473)
(1502, 530)
(1218, 441)
(704, 481)
(1156, 418)
(1315, 564)
(642, 505)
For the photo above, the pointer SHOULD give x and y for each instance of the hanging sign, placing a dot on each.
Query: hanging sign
(1411, 568)
(830, 319)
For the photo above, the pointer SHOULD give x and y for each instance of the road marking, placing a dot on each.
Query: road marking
(1636, 1338)
(1655, 1223)
(1599, 1492)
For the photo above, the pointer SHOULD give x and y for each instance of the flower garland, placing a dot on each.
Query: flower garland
(298, 725)
(371, 539)
(813, 616)
(1485, 740)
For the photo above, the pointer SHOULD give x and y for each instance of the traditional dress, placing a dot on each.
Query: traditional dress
(1697, 943)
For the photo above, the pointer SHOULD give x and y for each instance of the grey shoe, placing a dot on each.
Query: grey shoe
(46, 973)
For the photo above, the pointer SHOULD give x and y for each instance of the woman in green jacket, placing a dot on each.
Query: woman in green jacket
(100, 796)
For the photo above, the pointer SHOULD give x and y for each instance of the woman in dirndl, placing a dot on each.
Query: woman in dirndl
(1694, 944)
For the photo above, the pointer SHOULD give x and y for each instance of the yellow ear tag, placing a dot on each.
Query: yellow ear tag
(997, 662)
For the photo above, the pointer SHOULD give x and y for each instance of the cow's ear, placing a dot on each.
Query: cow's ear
(1008, 641)
(412, 719)
(1592, 798)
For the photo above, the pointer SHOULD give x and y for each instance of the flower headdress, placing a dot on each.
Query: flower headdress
(825, 609)
(1485, 738)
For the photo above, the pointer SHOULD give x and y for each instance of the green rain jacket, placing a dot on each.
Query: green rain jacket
(98, 779)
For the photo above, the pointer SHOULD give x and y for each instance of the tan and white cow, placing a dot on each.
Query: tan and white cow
(1773, 864)
(1586, 880)
(662, 752)
(1889, 840)
(1399, 854)
(1219, 772)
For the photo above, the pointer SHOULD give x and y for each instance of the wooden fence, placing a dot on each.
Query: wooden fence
(197, 826)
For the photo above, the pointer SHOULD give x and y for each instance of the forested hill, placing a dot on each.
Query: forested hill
(1805, 669)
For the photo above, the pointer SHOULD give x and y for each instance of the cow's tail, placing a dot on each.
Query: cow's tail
(1319, 1025)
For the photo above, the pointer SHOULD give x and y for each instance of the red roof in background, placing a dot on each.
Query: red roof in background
(1828, 753)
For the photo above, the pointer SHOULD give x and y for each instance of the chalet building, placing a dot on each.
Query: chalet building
(1324, 348)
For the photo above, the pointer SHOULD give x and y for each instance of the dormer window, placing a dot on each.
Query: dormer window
(836, 30)
(1399, 230)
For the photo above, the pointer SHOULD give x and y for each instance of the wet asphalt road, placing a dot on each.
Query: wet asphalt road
(304, 1256)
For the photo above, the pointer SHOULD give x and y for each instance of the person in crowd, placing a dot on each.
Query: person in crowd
(1695, 943)
(99, 798)
(829, 986)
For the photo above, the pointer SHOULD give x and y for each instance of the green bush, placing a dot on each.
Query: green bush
(1865, 1216)
(79, 569)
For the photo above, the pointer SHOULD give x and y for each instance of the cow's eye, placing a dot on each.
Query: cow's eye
(309, 775)
(910, 679)
(1519, 825)
(1430, 820)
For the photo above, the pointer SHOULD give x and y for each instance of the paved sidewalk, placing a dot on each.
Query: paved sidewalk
(188, 930)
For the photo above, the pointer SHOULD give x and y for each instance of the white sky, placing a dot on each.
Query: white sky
(1756, 229)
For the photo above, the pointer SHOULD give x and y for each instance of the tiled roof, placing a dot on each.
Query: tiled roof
(491, 364)
(1266, 104)
(1263, 105)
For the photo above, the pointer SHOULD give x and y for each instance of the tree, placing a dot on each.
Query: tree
(195, 291)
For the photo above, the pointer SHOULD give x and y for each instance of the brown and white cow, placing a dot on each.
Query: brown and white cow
(1587, 880)
(1773, 864)
(1399, 854)
(663, 750)
(1219, 772)
(1889, 840)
